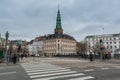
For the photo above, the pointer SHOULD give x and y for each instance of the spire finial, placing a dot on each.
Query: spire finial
(58, 20)
(58, 7)
(58, 29)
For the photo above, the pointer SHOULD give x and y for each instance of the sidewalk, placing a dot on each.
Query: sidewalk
(52, 59)
(3, 64)
(8, 64)
(69, 62)
(57, 59)
(116, 60)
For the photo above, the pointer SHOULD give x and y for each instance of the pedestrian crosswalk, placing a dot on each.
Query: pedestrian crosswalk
(45, 71)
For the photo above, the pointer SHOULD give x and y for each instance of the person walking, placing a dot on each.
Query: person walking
(91, 56)
(22, 56)
(14, 58)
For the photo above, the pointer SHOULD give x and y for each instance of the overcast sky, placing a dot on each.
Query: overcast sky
(27, 19)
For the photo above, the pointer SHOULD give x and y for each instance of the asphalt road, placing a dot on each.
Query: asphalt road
(97, 70)
(61, 69)
(13, 72)
(100, 73)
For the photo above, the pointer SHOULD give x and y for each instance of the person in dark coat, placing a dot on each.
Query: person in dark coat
(91, 56)
(22, 56)
(14, 58)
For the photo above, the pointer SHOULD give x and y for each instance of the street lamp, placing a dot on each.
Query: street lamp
(101, 49)
(6, 54)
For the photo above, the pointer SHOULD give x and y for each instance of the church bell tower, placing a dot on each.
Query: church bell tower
(58, 29)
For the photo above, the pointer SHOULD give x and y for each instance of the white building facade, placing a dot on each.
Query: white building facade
(37, 48)
(110, 41)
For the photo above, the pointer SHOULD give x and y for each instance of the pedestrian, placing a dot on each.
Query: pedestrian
(22, 56)
(84, 55)
(14, 59)
(25, 55)
(91, 56)
(18, 57)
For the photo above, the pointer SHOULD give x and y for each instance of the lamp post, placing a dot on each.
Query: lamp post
(6, 54)
(19, 45)
(101, 49)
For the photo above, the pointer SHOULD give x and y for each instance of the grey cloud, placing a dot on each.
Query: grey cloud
(79, 17)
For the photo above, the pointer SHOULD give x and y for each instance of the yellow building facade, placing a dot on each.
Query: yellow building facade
(59, 43)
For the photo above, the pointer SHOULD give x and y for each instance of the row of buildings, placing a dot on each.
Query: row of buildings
(60, 43)
(53, 44)
(111, 42)
(13, 45)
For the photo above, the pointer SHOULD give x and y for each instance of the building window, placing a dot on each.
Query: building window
(114, 38)
(107, 47)
(110, 38)
(87, 40)
(106, 42)
(115, 47)
(90, 39)
(111, 47)
(114, 42)
(106, 38)
(110, 42)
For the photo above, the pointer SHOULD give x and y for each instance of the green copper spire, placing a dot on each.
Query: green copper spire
(58, 20)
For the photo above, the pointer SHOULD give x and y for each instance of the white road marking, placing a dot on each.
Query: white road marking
(104, 68)
(40, 68)
(1, 67)
(48, 72)
(82, 78)
(5, 73)
(61, 76)
(36, 67)
(43, 70)
(44, 75)
(41, 65)
(116, 67)
(67, 67)
(88, 70)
